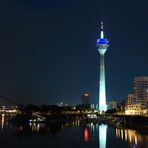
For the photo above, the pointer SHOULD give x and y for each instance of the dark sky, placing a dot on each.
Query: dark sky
(48, 48)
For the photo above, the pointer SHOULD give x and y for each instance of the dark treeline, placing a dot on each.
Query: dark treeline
(52, 109)
(51, 113)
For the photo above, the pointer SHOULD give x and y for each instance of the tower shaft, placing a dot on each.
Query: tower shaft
(102, 91)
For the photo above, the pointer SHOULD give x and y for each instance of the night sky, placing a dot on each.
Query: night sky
(48, 48)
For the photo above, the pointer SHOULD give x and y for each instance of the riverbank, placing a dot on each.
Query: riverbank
(118, 121)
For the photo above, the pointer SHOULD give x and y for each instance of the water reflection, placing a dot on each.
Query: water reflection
(102, 135)
(43, 128)
(133, 138)
(95, 132)
(88, 135)
(2, 121)
(90, 131)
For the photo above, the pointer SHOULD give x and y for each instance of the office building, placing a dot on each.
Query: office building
(86, 98)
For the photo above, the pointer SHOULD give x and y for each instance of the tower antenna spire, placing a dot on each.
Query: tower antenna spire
(102, 25)
(102, 33)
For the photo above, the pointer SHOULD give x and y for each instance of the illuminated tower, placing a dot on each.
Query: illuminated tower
(102, 45)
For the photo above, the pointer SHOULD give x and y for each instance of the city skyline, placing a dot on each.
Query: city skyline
(48, 49)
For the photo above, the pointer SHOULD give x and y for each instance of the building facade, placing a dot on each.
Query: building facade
(140, 88)
(135, 109)
(137, 103)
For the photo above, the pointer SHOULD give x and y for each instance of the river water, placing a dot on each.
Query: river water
(69, 135)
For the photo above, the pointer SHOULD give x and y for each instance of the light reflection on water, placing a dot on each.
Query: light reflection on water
(102, 135)
(2, 121)
(133, 138)
(93, 135)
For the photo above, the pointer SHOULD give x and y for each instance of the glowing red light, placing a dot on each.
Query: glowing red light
(86, 135)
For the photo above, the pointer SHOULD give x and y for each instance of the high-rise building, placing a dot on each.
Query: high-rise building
(86, 98)
(102, 45)
(145, 98)
(140, 88)
(137, 103)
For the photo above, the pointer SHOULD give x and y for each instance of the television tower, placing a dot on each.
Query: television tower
(102, 45)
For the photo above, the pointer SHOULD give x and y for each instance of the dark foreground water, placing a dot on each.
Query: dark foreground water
(69, 135)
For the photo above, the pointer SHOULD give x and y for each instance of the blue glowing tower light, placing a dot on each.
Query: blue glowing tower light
(102, 45)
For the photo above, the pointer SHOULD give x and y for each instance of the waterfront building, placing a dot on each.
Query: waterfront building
(135, 109)
(8, 109)
(102, 45)
(135, 106)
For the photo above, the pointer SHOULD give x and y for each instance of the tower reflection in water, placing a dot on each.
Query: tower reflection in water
(94, 132)
(102, 135)
(133, 138)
